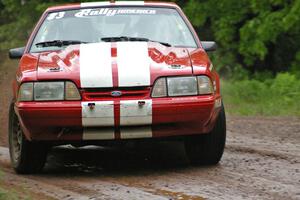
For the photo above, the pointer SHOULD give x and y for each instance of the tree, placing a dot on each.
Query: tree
(257, 34)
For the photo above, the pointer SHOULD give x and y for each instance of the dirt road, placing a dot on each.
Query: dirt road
(261, 161)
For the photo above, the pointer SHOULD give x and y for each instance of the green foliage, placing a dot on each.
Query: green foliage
(13, 194)
(276, 96)
(258, 35)
(5, 194)
(262, 76)
(295, 69)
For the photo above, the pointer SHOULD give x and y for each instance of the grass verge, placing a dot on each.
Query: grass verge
(9, 193)
(279, 96)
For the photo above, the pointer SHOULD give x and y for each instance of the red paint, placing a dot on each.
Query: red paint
(117, 119)
(114, 55)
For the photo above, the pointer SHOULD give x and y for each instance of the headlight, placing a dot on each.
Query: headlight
(48, 91)
(44, 91)
(182, 86)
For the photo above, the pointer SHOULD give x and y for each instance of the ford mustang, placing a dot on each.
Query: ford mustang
(113, 72)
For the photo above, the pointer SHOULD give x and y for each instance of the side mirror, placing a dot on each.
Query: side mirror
(209, 45)
(16, 53)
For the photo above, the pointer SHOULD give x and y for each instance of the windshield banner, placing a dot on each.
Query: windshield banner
(101, 12)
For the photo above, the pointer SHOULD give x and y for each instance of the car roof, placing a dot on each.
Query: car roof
(112, 4)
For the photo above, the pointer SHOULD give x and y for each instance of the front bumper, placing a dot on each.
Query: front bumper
(118, 118)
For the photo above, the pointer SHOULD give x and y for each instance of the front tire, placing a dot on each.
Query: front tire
(208, 149)
(26, 157)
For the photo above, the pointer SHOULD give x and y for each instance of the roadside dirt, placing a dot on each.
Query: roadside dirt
(7, 74)
(261, 161)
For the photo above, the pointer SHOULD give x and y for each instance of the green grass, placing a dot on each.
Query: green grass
(13, 194)
(279, 96)
(8, 193)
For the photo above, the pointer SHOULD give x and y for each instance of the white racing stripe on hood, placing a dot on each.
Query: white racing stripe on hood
(133, 64)
(95, 65)
(138, 3)
(106, 3)
(94, 4)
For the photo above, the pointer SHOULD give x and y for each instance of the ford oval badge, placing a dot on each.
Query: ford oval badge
(116, 93)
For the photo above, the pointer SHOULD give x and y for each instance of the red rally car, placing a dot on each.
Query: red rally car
(112, 72)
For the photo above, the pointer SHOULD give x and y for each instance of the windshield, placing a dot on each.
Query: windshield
(91, 25)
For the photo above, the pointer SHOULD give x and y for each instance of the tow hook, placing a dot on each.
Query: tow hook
(141, 103)
(91, 105)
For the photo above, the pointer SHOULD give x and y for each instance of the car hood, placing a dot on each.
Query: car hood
(122, 64)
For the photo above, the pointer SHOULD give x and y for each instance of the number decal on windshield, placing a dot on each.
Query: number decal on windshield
(56, 15)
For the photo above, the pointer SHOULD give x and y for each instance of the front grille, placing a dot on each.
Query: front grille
(102, 93)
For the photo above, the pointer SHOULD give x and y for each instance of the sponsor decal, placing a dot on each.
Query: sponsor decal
(100, 12)
(112, 12)
(175, 66)
(55, 69)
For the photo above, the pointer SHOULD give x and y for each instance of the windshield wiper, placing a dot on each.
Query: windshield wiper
(58, 43)
(125, 38)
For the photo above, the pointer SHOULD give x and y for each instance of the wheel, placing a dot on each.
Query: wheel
(26, 157)
(208, 149)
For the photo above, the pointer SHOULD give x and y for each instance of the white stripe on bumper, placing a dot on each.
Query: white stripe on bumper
(95, 65)
(133, 64)
(136, 132)
(131, 113)
(101, 115)
(98, 134)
